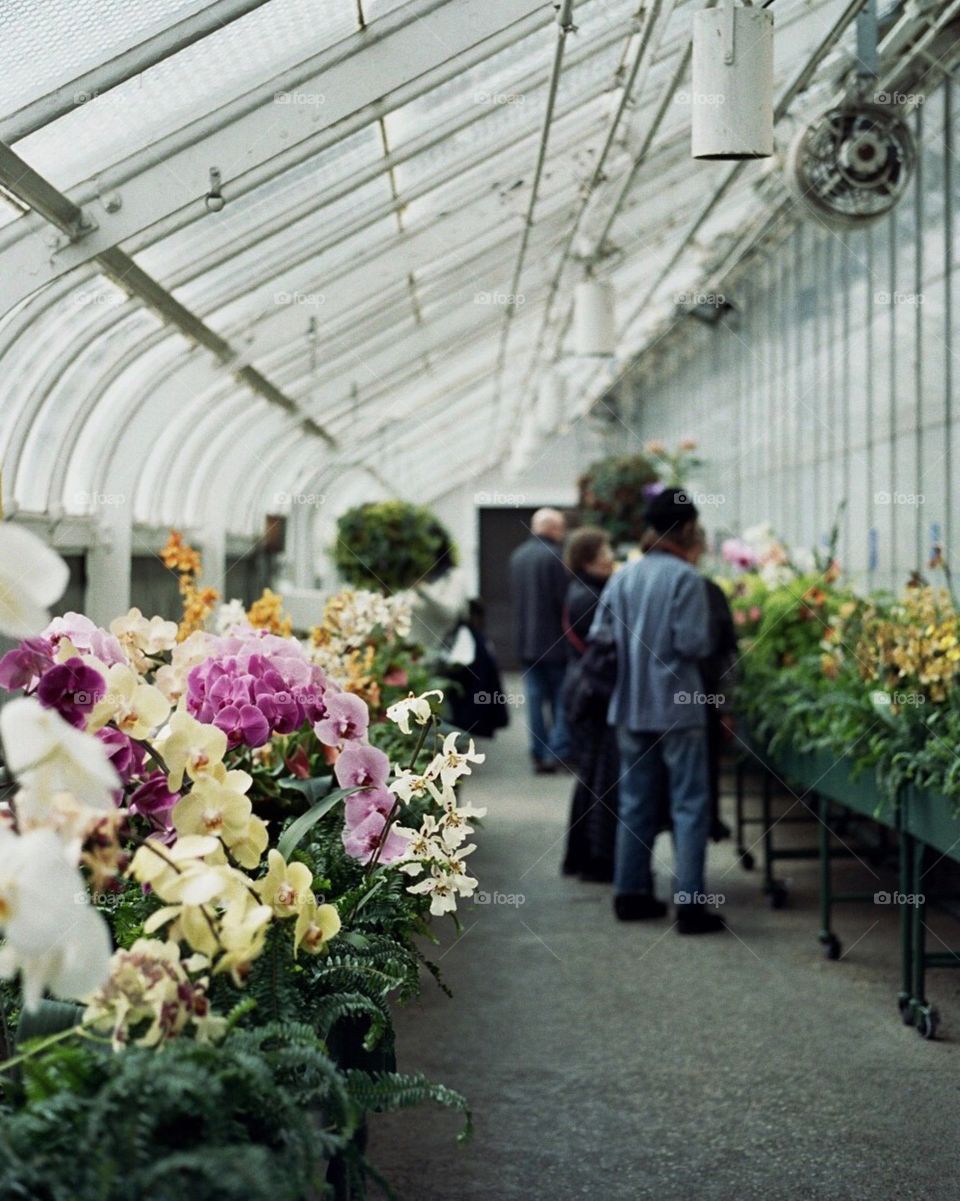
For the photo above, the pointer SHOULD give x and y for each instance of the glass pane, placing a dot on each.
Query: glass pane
(206, 75)
(45, 43)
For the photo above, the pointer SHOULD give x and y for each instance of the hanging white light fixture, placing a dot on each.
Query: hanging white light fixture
(594, 320)
(731, 96)
(525, 447)
(550, 402)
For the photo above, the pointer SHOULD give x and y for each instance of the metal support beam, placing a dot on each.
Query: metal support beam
(386, 65)
(132, 62)
(118, 266)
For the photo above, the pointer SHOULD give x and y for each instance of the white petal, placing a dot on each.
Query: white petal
(31, 566)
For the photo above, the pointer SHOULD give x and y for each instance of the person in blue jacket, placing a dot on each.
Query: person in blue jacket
(655, 612)
(538, 585)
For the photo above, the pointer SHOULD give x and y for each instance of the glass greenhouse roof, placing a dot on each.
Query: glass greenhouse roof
(377, 160)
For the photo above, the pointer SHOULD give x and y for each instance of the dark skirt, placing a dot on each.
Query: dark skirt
(592, 830)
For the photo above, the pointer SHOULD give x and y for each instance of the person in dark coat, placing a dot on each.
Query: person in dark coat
(538, 583)
(717, 671)
(592, 831)
(478, 703)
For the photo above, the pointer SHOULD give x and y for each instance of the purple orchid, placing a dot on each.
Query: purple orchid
(154, 801)
(127, 756)
(347, 719)
(88, 638)
(24, 665)
(360, 805)
(72, 689)
(254, 685)
(361, 841)
(362, 766)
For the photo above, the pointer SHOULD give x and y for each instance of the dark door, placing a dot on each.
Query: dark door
(501, 531)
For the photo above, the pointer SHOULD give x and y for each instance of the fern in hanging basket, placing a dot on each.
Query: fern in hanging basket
(613, 496)
(390, 545)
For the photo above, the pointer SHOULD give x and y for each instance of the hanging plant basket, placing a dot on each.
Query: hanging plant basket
(391, 545)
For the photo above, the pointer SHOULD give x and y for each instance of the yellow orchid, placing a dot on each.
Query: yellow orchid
(316, 925)
(193, 748)
(243, 932)
(158, 866)
(285, 886)
(134, 707)
(249, 847)
(212, 808)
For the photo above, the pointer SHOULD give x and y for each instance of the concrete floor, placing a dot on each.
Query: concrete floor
(621, 1062)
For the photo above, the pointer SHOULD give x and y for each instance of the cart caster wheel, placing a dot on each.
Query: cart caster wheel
(905, 1005)
(747, 861)
(927, 1021)
(831, 946)
(777, 896)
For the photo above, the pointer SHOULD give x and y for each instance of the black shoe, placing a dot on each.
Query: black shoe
(719, 831)
(695, 919)
(543, 769)
(638, 907)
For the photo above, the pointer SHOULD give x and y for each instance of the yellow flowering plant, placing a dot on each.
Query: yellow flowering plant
(174, 902)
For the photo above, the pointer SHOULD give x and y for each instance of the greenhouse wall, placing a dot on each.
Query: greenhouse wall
(832, 380)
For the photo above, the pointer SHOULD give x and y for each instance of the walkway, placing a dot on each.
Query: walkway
(622, 1063)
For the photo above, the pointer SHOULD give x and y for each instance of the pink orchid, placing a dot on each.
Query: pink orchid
(362, 766)
(360, 842)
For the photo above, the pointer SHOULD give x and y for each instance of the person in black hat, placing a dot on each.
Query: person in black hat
(655, 612)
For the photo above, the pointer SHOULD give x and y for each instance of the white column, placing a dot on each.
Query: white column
(213, 545)
(108, 559)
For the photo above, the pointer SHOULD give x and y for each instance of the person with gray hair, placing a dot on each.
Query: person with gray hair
(538, 584)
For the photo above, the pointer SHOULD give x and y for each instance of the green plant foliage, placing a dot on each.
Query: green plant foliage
(611, 495)
(253, 1119)
(391, 545)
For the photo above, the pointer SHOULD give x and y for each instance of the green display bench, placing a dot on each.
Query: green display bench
(929, 828)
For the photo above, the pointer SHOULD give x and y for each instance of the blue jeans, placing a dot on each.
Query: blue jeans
(542, 684)
(643, 758)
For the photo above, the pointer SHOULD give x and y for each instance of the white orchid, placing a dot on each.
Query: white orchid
(47, 755)
(230, 614)
(52, 935)
(409, 784)
(32, 578)
(413, 707)
(447, 881)
(450, 764)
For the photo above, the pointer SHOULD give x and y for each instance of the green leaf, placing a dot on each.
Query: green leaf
(292, 836)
